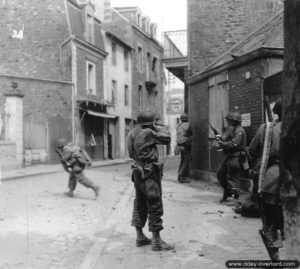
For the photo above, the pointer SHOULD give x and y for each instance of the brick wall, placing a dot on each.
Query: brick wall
(246, 94)
(45, 102)
(198, 116)
(45, 28)
(82, 57)
(215, 26)
(140, 77)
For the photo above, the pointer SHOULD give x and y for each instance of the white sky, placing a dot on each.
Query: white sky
(170, 15)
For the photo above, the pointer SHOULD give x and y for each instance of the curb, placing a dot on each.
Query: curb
(33, 174)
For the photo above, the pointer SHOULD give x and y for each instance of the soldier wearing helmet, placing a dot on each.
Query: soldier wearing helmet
(74, 160)
(233, 142)
(264, 150)
(147, 172)
(183, 146)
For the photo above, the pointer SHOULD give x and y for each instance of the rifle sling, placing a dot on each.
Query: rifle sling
(265, 154)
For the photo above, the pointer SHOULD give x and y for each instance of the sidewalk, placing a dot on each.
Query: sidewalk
(43, 169)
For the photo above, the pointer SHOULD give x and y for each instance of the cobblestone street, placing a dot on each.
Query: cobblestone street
(40, 228)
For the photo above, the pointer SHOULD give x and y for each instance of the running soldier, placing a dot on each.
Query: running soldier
(183, 140)
(233, 142)
(147, 175)
(264, 151)
(74, 160)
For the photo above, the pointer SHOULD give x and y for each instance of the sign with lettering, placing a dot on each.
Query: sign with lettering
(246, 119)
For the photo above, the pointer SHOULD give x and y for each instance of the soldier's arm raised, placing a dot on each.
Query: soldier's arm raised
(161, 137)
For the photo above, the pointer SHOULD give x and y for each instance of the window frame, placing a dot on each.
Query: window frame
(126, 60)
(88, 82)
(114, 91)
(90, 31)
(126, 95)
(140, 95)
(113, 53)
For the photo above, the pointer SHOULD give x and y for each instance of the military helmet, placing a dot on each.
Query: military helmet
(184, 117)
(145, 118)
(61, 142)
(234, 115)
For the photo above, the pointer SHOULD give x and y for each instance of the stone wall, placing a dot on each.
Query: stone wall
(214, 26)
(42, 24)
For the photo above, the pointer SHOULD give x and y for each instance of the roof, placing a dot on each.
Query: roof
(78, 27)
(269, 35)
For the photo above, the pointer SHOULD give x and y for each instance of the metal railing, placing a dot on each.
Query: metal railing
(175, 44)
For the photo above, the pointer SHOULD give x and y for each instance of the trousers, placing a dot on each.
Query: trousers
(229, 179)
(145, 208)
(78, 176)
(184, 166)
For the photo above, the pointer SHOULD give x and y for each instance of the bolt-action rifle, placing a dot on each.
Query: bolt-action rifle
(64, 163)
(216, 133)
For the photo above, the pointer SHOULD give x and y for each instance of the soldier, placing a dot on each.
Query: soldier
(75, 159)
(264, 151)
(232, 141)
(183, 140)
(147, 175)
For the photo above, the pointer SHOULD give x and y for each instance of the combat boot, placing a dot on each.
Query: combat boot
(69, 193)
(96, 190)
(158, 244)
(225, 196)
(141, 238)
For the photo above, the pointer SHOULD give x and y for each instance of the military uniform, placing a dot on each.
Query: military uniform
(233, 141)
(183, 141)
(77, 159)
(267, 182)
(147, 175)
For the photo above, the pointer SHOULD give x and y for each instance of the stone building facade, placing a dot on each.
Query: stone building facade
(148, 81)
(236, 79)
(54, 50)
(215, 26)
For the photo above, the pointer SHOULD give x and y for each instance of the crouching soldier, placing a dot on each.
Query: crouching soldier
(264, 151)
(233, 142)
(74, 159)
(147, 175)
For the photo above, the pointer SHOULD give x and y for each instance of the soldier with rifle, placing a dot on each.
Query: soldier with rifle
(147, 173)
(183, 141)
(74, 160)
(264, 151)
(232, 142)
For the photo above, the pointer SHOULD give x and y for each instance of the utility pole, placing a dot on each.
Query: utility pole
(290, 137)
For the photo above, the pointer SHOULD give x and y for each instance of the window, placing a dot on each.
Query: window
(140, 60)
(126, 95)
(114, 91)
(138, 19)
(90, 28)
(218, 102)
(148, 66)
(126, 60)
(156, 100)
(114, 53)
(91, 78)
(140, 95)
(154, 61)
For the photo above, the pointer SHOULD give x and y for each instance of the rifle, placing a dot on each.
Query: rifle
(258, 200)
(268, 108)
(64, 163)
(216, 133)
